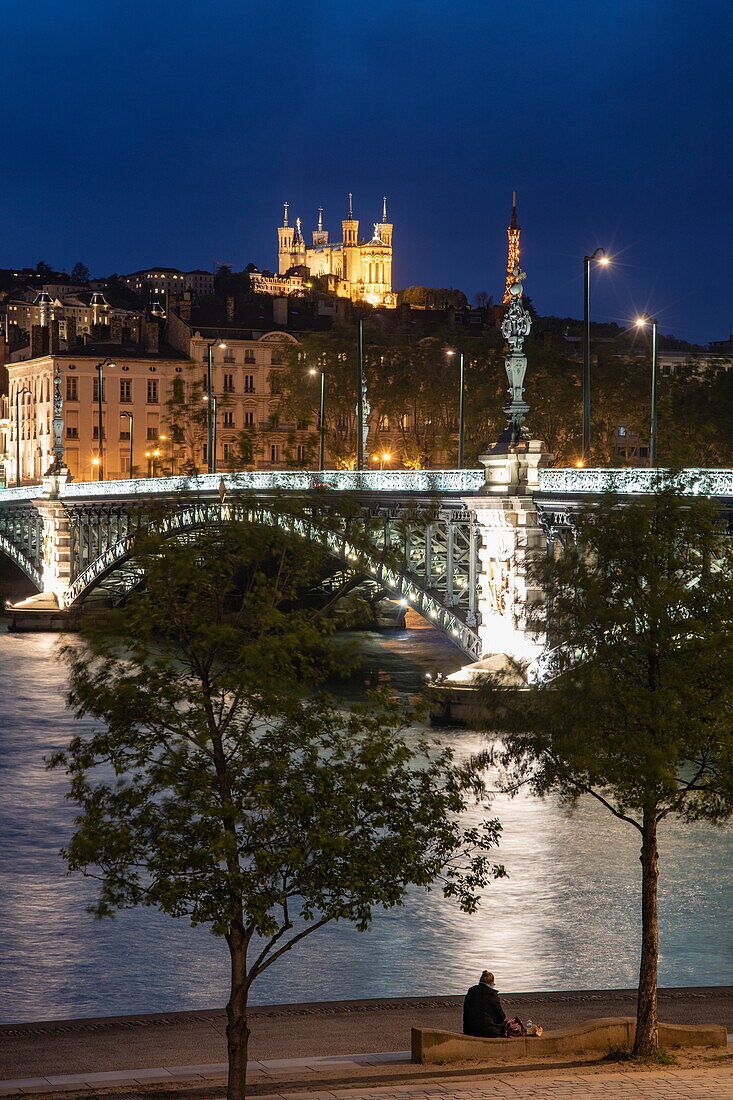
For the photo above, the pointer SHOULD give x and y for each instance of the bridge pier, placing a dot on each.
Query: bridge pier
(510, 537)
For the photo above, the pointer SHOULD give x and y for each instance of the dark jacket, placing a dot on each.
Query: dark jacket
(482, 1012)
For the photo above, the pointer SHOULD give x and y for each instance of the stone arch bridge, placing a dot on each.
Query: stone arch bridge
(452, 544)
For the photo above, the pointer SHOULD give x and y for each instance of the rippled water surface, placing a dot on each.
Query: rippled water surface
(566, 918)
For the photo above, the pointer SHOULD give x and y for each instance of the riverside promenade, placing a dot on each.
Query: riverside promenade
(358, 1046)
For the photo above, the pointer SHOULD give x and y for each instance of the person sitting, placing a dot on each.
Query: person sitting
(482, 1012)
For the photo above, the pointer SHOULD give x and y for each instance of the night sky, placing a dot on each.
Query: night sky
(141, 133)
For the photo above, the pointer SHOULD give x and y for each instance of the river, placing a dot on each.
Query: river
(565, 918)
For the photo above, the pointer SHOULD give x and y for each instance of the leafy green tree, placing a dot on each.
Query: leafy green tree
(217, 788)
(428, 297)
(637, 711)
(80, 273)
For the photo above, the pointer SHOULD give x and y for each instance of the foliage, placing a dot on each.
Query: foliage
(217, 788)
(80, 273)
(637, 713)
(412, 390)
(427, 297)
(186, 417)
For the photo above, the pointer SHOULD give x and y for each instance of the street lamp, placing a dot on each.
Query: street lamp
(131, 419)
(210, 399)
(321, 419)
(18, 395)
(641, 322)
(461, 414)
(381, 458)
(211, 412)
(600, 257)
(151, 457)
(100, 387)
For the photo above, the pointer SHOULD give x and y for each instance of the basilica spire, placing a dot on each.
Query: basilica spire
(285, 214)
(384, 210)
(350, 215)
(320, 219)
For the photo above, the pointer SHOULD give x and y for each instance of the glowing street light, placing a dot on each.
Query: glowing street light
(211, 412)
(641, 322)
(385, 456)
(210, 399)
(461, 414)
(601, 258)
(151, 457)
(100, 398)
(321, 418)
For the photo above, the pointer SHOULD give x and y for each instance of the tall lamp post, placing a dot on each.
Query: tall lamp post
(211, 411)
(642, 322)
(18, 394)
(321, 418)
(461, 405)
(211, 421)
(600, 257)
(131, 420)
(100, 398)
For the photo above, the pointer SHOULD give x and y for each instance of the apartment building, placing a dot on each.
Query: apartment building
(246, 367)
(135, 387)
(158, 282)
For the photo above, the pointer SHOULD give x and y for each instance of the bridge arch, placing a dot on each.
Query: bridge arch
(31, 570)
(369, 557)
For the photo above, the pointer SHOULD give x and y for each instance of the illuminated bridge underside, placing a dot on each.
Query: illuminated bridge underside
(430, 562)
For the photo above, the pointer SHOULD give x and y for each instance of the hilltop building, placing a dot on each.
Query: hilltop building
(355, 268)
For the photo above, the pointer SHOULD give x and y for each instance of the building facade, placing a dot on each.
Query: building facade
(156, 283)
(135, 389)
(250, 430)
(354, 267)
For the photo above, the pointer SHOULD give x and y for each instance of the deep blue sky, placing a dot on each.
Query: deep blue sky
(138, 133)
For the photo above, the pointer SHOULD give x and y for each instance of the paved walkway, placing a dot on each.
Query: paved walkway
(305, 1031)
(713, 1083)
(258, 1071)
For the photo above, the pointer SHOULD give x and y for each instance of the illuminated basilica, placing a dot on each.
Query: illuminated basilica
(352, 267)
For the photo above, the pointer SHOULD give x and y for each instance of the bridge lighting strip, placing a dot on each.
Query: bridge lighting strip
(690, 482)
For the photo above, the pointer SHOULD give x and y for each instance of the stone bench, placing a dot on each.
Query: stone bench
(429, 1045)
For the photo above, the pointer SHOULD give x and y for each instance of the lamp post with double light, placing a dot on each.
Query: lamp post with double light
(461, 406)
(381, 457)
(321, 418)
(100, 399)
(601, 258)
(151, 457)
(211, 410)
(18, 472)
(131, 420)
(642, 322)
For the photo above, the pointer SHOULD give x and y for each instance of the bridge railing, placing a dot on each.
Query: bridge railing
(375, 481)
(692, 482)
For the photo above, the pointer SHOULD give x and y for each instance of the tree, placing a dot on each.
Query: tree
(636, 713)
(80, 273)
(186, 418)
(218, 789)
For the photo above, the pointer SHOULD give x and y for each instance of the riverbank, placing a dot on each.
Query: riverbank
(309, 1030)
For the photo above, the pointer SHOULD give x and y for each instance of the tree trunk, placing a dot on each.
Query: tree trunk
(237, 1030)
(646, 1042)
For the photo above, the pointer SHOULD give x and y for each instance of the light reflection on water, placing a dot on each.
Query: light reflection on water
(566, 918)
